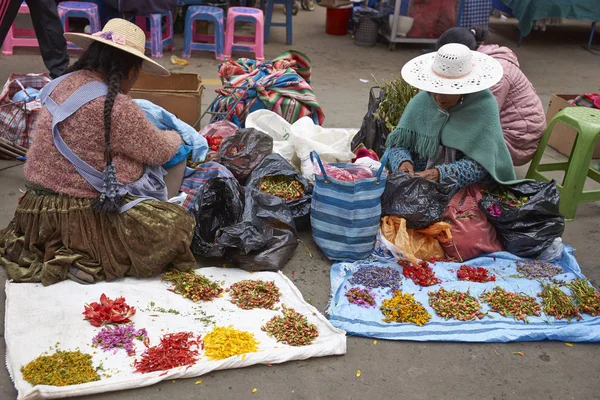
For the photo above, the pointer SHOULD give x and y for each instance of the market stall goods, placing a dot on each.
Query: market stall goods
(537, 269)
(421, 274)
(292, 328)
(225, 341)
(557, 303)
(375, 277)
(404, 308)
(62, 368)
(360, 297)
(588, 298)
(517, 305)
(455, 304)
(175, 350)
(119, 337)
(108, 311)
(251, 294)
(474, 274)
(193, 286)
(282, 187)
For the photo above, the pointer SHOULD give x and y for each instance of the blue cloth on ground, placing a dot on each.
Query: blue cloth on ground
(165, 120)
(368, 322)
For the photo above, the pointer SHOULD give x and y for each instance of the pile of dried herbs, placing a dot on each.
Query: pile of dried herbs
(62, 368)
(537, 269)
(360, 297)
(224, 342)
(509, 198)
(249, 294)
(519, 306)
(396, 95)
(119, 337)
(587, 297)
(282, 187)
(193, 286)
(404, 308)
(292, 328)
(557, 304)
(454, 304)
(175, 350)
(373, 277)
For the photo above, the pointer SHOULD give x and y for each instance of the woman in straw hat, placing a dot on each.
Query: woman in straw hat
(95, 206)
(451, 129)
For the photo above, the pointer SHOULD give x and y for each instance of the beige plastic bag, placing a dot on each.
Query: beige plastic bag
(416, 244)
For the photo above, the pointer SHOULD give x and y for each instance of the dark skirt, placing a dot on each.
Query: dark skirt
(52, 233)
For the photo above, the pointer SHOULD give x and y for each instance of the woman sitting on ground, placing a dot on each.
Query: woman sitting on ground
(95, 206)
(451, 129)
(521, 111)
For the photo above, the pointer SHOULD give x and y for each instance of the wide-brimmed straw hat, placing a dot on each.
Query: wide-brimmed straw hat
(125, 36)
(453, 69)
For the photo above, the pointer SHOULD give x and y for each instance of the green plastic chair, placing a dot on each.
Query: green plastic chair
(586, 121)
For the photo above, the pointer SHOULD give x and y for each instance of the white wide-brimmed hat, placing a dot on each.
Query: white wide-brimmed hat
(125, 36)
(453, 69)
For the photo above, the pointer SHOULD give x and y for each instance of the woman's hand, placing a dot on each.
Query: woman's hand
(430, 174)
(407, 167)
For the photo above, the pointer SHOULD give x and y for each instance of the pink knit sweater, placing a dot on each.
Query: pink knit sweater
(135, 142)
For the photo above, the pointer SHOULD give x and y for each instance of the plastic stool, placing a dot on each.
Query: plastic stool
(19, 37)
(157, 40)
(289, 4)
(211, 43)
(245, 14)
(586, 121)
(79, 9)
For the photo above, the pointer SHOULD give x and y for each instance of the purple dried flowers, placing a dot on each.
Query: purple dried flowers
(119, 337)
(537, 269)
(494, 210)
(373, 277)
(360, 297)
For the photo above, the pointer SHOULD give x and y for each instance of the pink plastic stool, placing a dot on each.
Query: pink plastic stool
(19, 37)
(232, 41)
(79, 9)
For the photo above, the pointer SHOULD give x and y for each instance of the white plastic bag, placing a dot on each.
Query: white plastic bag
(279, 129)
(332, 144)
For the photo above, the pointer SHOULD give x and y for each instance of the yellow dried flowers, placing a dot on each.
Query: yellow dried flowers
(62, 368)
(404, 308)
(223, 342)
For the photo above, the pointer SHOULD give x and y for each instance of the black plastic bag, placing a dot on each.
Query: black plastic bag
(266, 238)
(254, 230)
(418, 200)
(528, 230)
(219, 204)
(244, 151)
(275, 165)
(373, 132)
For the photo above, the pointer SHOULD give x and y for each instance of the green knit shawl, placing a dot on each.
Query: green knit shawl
(472, 127)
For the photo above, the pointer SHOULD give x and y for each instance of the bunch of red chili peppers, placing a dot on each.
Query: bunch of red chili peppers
(175, 350)
(108, 311)
(214, 142)
(474, 274)
(421, 274)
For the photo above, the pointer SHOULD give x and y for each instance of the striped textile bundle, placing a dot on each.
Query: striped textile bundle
(281, 85)
(345, 216)
(193, 182)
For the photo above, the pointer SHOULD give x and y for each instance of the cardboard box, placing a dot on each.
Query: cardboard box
(180, 93)
(563, 136)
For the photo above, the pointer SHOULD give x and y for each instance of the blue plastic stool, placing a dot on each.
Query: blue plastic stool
(193, 41)
(157, 41)
(79, 9)
(289, 4)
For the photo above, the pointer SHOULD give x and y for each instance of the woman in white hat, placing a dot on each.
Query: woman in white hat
(96, 205)
(451, 129)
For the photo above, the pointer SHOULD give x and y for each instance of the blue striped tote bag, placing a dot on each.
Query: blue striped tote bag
(345, 216)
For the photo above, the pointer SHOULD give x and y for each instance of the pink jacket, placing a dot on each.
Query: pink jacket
(135, 142)
(521, 110)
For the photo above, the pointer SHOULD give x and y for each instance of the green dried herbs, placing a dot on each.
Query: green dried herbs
(193, 286)
(454, 304)
(62, 368)
(282, 187)
(396, 95)
(292, 328)
(557, 304)
(519, 306)
(249, 294)
(587, 297)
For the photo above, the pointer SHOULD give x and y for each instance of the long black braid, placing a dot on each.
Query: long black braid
(115, 65)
